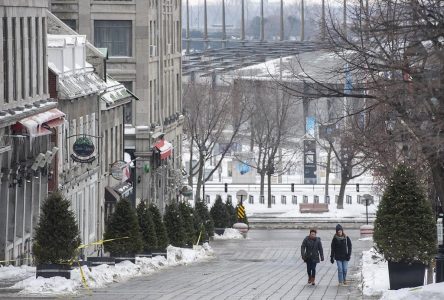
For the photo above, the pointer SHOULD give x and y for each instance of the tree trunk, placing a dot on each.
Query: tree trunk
(190, 175)
(199, 177)
(269, 188)
(262, 184)
(327, 171)
(344, 182)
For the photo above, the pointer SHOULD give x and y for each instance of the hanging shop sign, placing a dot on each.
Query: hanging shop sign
(117, 169)
(83, 149)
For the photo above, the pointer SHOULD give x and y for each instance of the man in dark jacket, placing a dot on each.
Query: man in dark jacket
(341, 248)
(311, 249)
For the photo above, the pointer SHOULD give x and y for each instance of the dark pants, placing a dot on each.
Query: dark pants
(311, 267)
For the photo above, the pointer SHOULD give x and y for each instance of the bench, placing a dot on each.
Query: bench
(313, 207)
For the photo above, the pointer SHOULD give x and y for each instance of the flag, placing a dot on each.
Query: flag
(348, 86)
(126, 172)
(165, 148)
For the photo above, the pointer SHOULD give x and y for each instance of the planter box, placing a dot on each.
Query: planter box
(403, 275)
(159, 252)
(52, 270)
(82, 263)
(129, 258)
(219, 231)
(97, 261)
(146, 255)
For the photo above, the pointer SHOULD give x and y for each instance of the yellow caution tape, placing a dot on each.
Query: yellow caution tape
(200, 234)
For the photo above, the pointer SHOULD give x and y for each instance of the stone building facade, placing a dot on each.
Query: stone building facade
(143, 38)
(27, 120)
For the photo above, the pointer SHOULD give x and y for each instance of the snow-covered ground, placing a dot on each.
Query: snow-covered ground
(11, 273)
(103, 275)
(229, 234)
(375, 278)
(375, 282)
(427, 292)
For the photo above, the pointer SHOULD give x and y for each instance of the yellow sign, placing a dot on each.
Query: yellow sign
(240, 212)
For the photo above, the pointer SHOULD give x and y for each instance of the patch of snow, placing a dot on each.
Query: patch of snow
(375, 277)
(103, 275)
(229, 234)
(12, 273)
(427, 292)
(369, 238)
(47, 286)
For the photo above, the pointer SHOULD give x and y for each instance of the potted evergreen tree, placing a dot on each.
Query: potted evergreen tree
(147, 228)
(56, 238)
(232, 212)
(124, 227)
(187, 213)
(161, 233)
(205, 219)
(220, 215)
(174, 225)
(405, 229)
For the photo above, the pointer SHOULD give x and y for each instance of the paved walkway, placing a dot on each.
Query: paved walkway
(265, 266)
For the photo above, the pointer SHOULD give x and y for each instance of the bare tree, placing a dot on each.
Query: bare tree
(212, 119)
(395, 51)
(271, 131)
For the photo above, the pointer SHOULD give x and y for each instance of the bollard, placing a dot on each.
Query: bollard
(366, 231)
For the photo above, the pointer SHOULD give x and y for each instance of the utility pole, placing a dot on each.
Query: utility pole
(224, 29)
(205, 26)
(243, 21)
(302, 21)
(281, 35)
(188, 27)
(262, 21)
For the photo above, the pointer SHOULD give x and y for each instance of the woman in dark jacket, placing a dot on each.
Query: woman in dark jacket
(311, 249)
(341, 248)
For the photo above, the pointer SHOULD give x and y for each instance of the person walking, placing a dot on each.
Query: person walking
(311, 250)
(341, 249)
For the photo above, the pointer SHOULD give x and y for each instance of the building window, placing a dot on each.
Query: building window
(294, 200)
(261, 199)
(283, 199)
(315, 199)
(229, 198)
(114, 35)
(251, 199)
(71, 23)
(273, 200)
(207, 197)
(327, 199)
(305, 199)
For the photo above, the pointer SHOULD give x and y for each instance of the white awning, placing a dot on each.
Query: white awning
(33, 124)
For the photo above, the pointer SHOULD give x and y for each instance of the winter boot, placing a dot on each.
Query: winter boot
(313, 280)
(309, 279)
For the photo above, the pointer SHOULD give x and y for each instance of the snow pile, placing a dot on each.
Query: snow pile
(375, 278)
(428, 292)
(229, 234)
(47, 286)
(11, 273)
(184, 256)
(103, 275)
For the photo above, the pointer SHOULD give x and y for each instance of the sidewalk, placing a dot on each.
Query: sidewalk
(265, 266)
